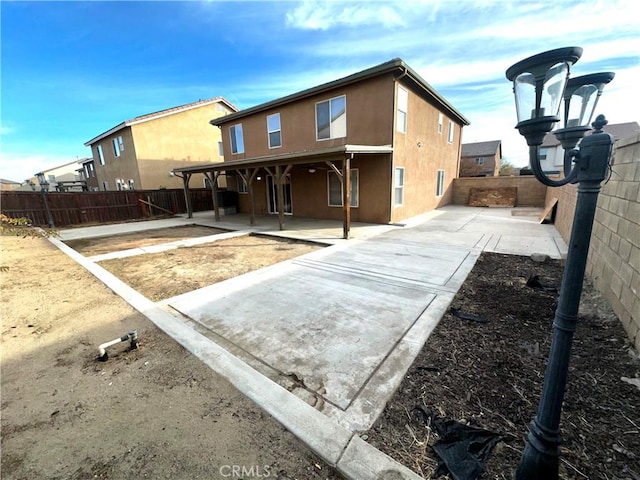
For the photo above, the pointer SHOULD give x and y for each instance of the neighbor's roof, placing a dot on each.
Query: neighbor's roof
(161, 113)
(396, 65)
(618, 130)
(480, 149)
(4, 181)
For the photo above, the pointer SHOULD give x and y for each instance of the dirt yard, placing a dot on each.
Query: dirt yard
(490, 375)
(185, 269)
(156, 412)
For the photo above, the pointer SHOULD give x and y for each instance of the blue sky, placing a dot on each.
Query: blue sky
(71, 70)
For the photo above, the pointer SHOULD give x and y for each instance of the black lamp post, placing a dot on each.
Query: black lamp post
(44, 188)
(540, 83)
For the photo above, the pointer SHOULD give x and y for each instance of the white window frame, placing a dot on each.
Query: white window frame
(398, 186)
(440, 123)
(354, 184)
(116, 147)
(235, 132)
(332, 134)
(440, 183)
(105, 186)
(451, 132)
(100, 154)
(121, 143)
(481, 161)
(278, 131)
(403, 108)
(242, 186)
(119, 184)
(132, 184)
(220, 149)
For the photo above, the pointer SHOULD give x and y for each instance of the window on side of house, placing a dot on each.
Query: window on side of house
(399, 187)
(543, 153)
(116, 147)
(119, 184)
(242, 187)
(132, 184)
(220, 149)
(335, 188)
(105, 186)
(100, 154)
(481, 161)
(51, 178)
(451, 131)
(403, 104)
(237, 140)
(331, 118)
(273, 130)
(440, 123)
(440, 183)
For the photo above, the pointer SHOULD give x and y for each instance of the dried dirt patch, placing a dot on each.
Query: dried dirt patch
(156, 412)
(97, 246)
(490, 375)
(164, 275)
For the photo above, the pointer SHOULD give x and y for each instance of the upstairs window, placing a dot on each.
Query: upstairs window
(403, 103)
(121, 143)
(132, 184)
(481, 161)
(331, 118)
(220, 149)
(451, 131)
(237, 140)
(440, 123)
(116, 147)
(273, 130)
(100, 155)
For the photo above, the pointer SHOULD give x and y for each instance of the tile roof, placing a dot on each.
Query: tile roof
(480, 149)
(618, 130)
(161, 113)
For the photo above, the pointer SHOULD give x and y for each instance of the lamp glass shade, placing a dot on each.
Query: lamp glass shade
(581, 105)
(552, 90)
(524, 89)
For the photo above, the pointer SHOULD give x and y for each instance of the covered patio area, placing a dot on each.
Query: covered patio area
(278, 168)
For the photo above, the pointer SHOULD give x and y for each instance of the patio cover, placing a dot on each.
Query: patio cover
(337, 158)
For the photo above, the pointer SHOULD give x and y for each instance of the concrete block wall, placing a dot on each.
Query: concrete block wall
(614, 256)
(531, 193)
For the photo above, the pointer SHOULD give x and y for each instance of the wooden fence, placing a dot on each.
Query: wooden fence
(77, 208)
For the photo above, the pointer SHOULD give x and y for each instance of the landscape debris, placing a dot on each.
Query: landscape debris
(467, 316)
(462, 450)
(534, 282)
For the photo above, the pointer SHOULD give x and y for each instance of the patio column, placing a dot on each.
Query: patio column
(187, 194)
(346, 196)
(248, 176)
(280, 194)
(213, 178)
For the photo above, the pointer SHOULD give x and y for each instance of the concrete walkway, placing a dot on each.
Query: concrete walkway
(322, 341)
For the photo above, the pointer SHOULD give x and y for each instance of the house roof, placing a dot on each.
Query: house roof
(618, 130)
(396, 65)
(306, 156)
(480, 149)
(162, 113)
(4, 181)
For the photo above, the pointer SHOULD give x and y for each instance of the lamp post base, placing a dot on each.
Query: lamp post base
(540, 458)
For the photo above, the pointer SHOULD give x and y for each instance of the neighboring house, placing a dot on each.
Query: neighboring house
(140, 153)
(379, 146)
(88, 174)
(481, 159)
(8, 185)
(55, 176)
(552, 154)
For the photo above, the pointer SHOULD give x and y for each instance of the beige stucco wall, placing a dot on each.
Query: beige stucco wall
(369, 107)
(614, 255)
(422, 151)
(154, 147)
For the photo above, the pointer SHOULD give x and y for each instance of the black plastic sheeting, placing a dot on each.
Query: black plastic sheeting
(462, 450)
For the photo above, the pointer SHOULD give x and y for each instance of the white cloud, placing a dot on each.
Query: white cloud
(323, 15)
(6, 130)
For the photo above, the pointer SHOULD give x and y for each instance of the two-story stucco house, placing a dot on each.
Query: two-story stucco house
(140, 153)
(377, 146)
(481, 159)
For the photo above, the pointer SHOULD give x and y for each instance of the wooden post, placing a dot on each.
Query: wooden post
(280, 194)
(213, 178)
(346, 196)
(187, 194)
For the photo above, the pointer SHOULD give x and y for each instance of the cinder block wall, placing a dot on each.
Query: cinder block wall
(531, 193)
(614, 256)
